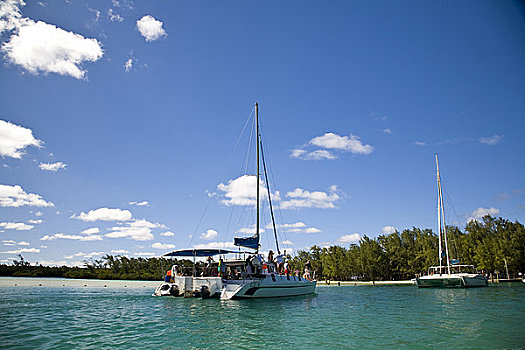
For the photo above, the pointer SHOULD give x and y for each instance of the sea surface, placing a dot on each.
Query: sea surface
(364, 317)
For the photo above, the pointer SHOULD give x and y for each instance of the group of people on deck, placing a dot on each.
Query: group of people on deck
(254, 267)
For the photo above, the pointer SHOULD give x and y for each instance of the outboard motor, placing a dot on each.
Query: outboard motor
(174, 290)
(205, 292)
(196, 293)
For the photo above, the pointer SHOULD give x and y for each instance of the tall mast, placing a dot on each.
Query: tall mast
(441, 220)
(257, 122)
(439, 212)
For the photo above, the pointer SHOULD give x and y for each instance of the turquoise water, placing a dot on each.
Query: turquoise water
(335, 318)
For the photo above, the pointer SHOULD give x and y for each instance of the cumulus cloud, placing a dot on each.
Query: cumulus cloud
(144, 254)
(138, 230)
(481, 212)
(287, 242)
(13, 243)
(242, 190)
(84, 255)
(387, 131)
(350, 143)
(419, 143)
(52, 166)
(120, 251)
(216, 245)
(140, 204)
(388, 229)
(150, 28)
(209, 234)
(15, 196)
(167, 234)
(300, 198)
(31, 221)
(251, 230)
(298, 227)
(491, 140)
(40, 47)
(104, 214)
(319, 154)
(163, 246)
(354, 237)
(72, 237)
(18, 226)
(14, 139)
(23, 250)
(91, 231)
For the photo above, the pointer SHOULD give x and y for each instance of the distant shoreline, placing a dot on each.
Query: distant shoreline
(363, 283)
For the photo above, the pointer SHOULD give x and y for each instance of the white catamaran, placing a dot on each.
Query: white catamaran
(449, 275)
(251, 277)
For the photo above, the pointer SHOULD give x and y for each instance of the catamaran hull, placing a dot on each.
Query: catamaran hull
(268, 288)
(451, 281)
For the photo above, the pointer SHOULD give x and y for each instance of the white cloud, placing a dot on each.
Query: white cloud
(210, 234)
(91, 231)
(242, 190)
(52, 166)
(287, 243)
(14, 138)
(298, 153)
(138, 230)
(84, 255)
(350, 143)
(58, 263)
(13, 243)
(43, 47)
(419, 143)
(72, 237)
(298, 227)
(23, 250)
(120, 251)
(114, 17)
(167, 234)
(31, 221)
(491, 140)
(481, 212)
(10, 14)
(140, 204)
(387, 131)
(216, 245)
(145, 254)
(300, 198)
(388, 229)
(128, 65)
(163, 246)
(251, 230)
(104, 214)
(39, 213)
(18, 226)
(315, 155)
(15, 196)
(354, 237)
(150, 28)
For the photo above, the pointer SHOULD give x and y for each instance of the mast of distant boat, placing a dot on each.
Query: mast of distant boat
(257, 122)
(442, 228)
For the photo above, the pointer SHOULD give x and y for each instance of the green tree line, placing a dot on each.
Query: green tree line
(396, 256)
(402, 255)
(108, 268)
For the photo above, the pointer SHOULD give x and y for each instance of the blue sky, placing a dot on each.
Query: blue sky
(119, 120)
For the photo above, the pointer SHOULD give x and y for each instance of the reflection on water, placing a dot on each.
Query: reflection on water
(335, 318)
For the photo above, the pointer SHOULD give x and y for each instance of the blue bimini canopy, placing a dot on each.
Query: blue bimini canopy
(199, 252)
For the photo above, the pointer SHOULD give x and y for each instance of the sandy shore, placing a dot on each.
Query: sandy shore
(66, 282)
(358, 283)
(89, 283)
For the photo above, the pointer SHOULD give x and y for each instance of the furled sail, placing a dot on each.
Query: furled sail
(248, 242)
